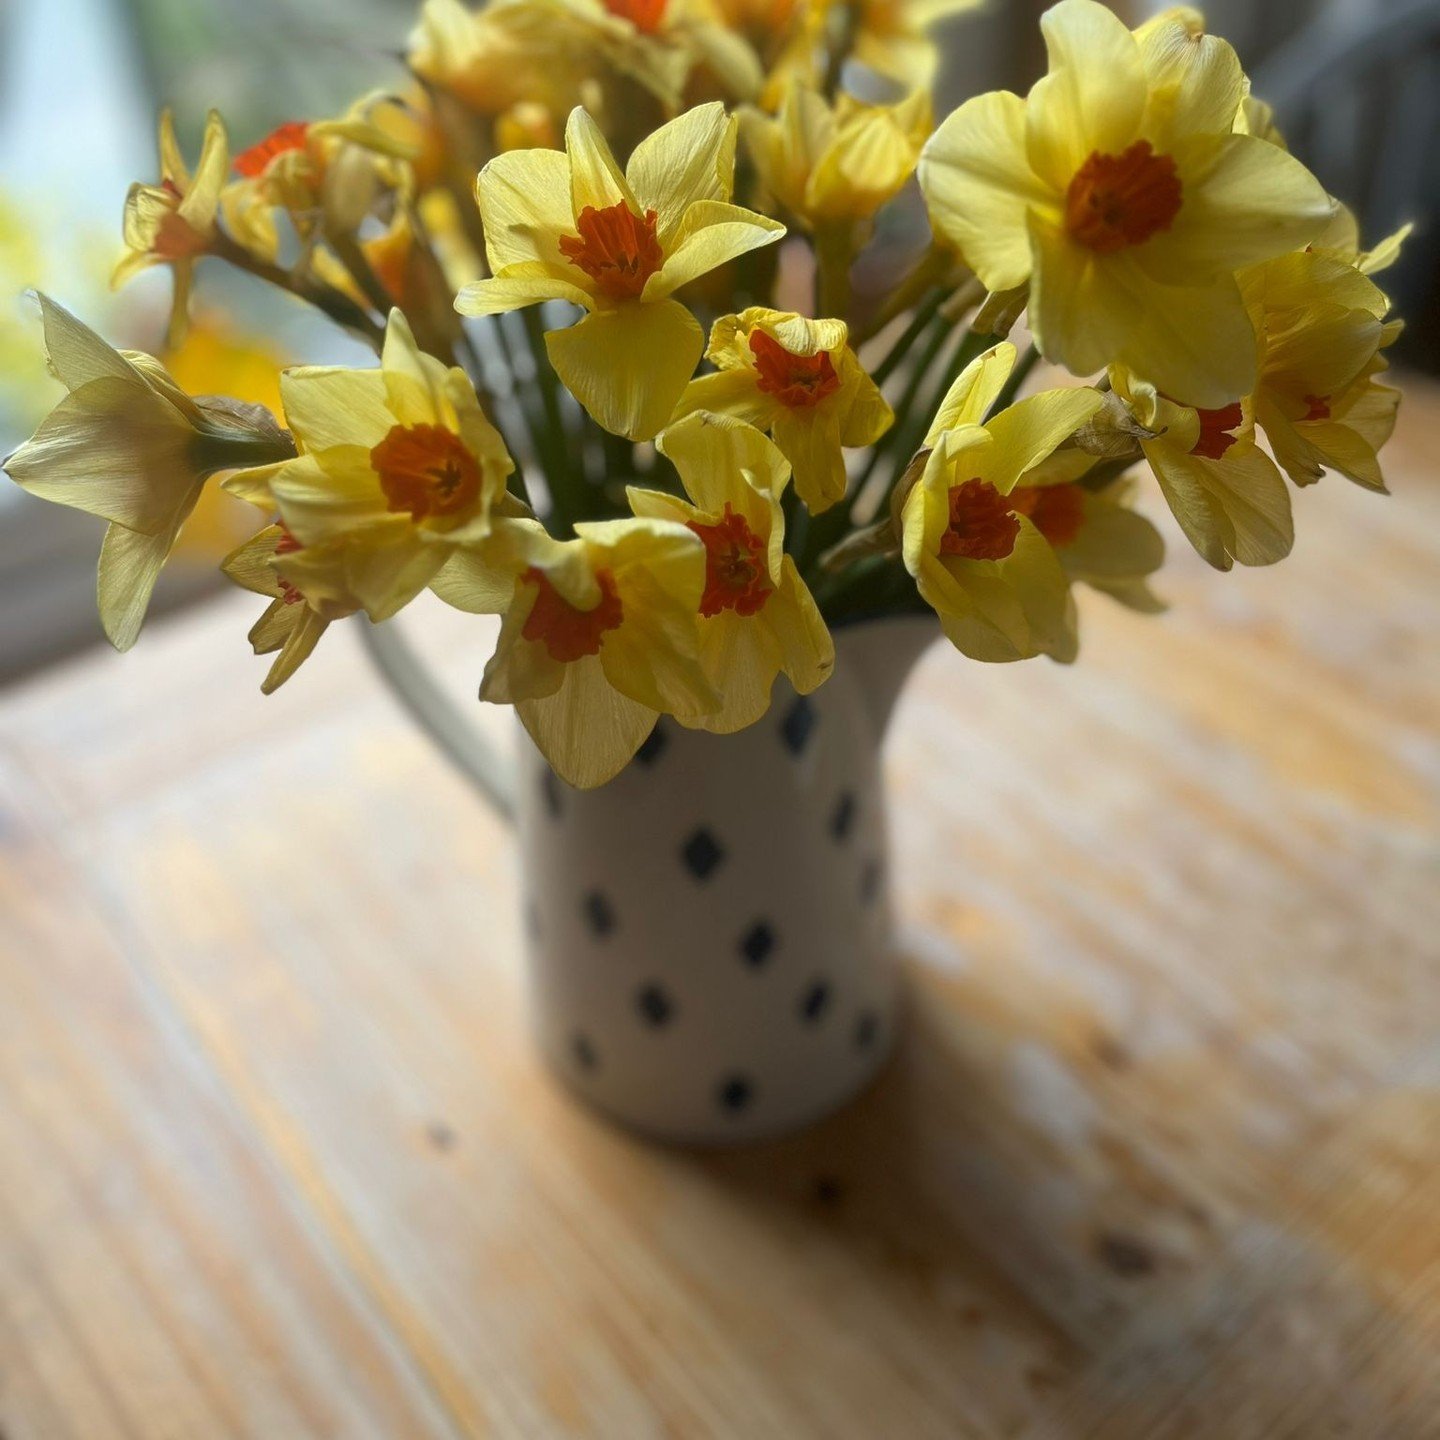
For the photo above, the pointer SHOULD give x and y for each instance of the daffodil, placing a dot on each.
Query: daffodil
(836, 166)
(307, 591)
(892, 37)
(574, 227)
(599, 638)
(757, 618)
(129, 445)
(1119, 191)
(1225, 491)
(799, 380)
(173, 223)
(1322, 332)
(984, 565)
(325, 174)
(399, 464)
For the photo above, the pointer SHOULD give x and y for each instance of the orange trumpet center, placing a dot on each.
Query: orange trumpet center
(1056, 511)
(1317, 407)
(798, 381)
(1215, 427)
(426, 470)
(982, 524)
(1119, 200)
(566, 631)
(616, 248)
(645, 15)
(289, 136)
(736, 576)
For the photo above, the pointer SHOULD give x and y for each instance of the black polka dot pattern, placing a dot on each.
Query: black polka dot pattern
(599, 915)
(702, 854)
(757, 944)
(814, 1002)
(735, 1093)
(798, 725)
(655, 1006)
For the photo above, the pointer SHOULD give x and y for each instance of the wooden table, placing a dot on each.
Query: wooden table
(1160, 1155)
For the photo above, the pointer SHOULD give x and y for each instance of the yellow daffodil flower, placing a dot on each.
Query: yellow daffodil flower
(307, 591)
(173, 223)
(1341, 239)
(1226, 492)
(573, 226)
(836, 167)
(328, 174)
(1322, 331)
(599, 638)
(1121, 193)
(400, 464)
(892, 37)
(799, 380)
(757, 618)
(129, 445)
(984, 565)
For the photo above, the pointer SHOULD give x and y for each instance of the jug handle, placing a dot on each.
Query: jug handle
(413, 684)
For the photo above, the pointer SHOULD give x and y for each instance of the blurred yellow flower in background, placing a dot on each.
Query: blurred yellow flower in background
(799, 380)
(573, 226)
(757, 617)
(173, 223)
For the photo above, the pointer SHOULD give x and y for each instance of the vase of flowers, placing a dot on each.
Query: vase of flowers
(693, 368)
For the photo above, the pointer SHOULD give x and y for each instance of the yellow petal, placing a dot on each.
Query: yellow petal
(304, 635)
(1233, 508)
(76, 354)
(595, 178)
(1026, 432)
(1196, 83)
(115, 449)
(329, 405)
(810, 441)
(692, 158)
(1093, 97)
(202, 196)
(974, 391)
(711, 234)
(500, 294)
(130, 565)
(414, 381)
(979, 187)
(587, 730)
(741, 657)
(726, 392)
(629, 366)
(471, 580)
(1242, 201)
(794, 619)
(524, 199)
(720, 459)
(249, 565)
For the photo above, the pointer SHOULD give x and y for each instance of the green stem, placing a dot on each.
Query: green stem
(1018, 376)
(907, 338)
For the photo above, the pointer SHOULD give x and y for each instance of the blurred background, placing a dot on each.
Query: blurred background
(1356, 84)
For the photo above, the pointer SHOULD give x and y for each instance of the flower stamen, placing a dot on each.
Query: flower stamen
(426, 470)
(798, 381)
(736, 575)
(616, 248)
(567, 632)
(982, 524)
(1118, 200)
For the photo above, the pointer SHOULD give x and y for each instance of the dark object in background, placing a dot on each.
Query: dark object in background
(1358, 99)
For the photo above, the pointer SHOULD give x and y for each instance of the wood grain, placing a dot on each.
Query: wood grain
(1160, 1155)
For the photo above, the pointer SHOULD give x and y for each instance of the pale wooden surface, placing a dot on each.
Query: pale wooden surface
(1160, 1155)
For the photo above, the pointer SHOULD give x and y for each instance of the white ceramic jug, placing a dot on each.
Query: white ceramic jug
(709, 933)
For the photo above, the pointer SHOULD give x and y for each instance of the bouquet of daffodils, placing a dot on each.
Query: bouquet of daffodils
(674, 376)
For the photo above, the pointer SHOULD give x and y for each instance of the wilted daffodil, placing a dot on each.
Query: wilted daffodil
(1225, 491)
(984, 565)
(306, 589)
(399, 464)
(1120, 191)
(599, 636)
(799, 380)
(757, 618)
(1322, 329)
(129, 445)
(574, 227)
(173, 223)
